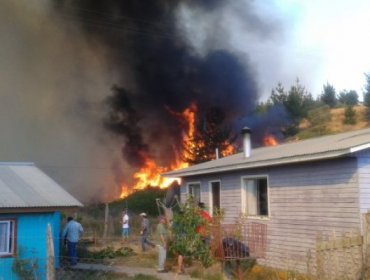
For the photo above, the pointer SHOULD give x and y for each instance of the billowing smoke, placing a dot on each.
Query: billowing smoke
(51, 91)
(88, 86)
(161, 70)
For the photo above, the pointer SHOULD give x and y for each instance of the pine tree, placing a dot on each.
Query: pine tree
(349, 115)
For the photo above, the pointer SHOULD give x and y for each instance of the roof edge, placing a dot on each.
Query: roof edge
(258, 164)
(9, 210)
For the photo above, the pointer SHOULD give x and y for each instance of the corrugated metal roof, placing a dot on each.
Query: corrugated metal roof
(319, 148)
(23, 185)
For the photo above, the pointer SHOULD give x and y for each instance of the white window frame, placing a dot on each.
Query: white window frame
(9, 238)
(188, 185)
(210, 196)
(244, 197)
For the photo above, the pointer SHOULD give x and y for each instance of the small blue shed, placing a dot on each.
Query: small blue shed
(30, 205)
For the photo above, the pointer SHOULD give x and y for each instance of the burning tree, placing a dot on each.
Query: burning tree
(211, 136)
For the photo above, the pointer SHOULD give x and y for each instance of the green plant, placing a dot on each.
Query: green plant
(186, 240)
(144, 277)
(110, 253)
(349, 115)
(27, 268)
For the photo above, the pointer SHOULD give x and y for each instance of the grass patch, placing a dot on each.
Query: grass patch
(110, 253)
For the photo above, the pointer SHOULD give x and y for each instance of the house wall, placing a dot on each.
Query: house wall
(304, 200)
(31, 242)
(364, 180)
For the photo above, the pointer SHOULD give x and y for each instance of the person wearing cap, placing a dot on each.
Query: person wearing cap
(162, 235)
(144, 232)
(71, 234)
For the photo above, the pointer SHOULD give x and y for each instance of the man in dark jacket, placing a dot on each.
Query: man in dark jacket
(145, 231)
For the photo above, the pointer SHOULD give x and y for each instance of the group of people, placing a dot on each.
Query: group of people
(73, 230)
(161, 236)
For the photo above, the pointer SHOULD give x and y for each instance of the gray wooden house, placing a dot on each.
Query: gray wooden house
(298, 189)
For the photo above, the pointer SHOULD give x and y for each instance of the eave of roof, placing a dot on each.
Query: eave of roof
(24, 186)
(11, 210)
(320, 148)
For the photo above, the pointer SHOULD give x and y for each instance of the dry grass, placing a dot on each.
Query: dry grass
(335, 125)
(337, 116)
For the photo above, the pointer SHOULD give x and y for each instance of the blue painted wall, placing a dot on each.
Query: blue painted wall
(31, 242)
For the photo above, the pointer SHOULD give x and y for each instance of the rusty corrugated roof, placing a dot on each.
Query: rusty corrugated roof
(23, 185)
(319, 148)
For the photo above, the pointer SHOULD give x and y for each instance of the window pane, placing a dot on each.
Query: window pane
(4, 237)
(215, 186)
(262, 197)
(194, 190)
(256, 197)
(251, 197)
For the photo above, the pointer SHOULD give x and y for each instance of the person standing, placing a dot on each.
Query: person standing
(161, 233)
(144, 232)
(71, 235)
(125, 225)
(203, 228)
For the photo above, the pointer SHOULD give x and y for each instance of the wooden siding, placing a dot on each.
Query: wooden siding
(364, 180)
(304, 200)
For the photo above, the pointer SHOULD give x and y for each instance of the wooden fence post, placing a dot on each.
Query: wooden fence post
(106, 218)
(50, 268)
(366, 244)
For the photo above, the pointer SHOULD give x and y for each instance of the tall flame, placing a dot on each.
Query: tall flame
(150, 173)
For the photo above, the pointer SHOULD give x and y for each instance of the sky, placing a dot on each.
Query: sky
(330, 37)
(316, 41)
(53, 78)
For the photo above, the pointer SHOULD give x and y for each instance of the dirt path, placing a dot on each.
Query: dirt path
(131, 271)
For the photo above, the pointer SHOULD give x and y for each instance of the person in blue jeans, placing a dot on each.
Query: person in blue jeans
(71, 234)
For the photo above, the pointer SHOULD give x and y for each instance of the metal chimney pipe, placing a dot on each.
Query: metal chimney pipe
(247, 145)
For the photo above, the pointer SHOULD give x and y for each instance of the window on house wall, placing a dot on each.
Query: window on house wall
(194, 191)
(255, 196)
(7, 237)
(214, 203)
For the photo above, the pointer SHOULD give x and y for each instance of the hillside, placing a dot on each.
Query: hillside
(334, 125)
(337, 116)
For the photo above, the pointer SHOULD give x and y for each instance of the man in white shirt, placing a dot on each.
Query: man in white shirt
(125, 225)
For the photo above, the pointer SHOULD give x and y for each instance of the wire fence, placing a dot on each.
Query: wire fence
(238, 241)
(98, 258)
(31, 269)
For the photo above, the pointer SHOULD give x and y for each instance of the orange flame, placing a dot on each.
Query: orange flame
(270, 140)
(228, 150)
(150, 173)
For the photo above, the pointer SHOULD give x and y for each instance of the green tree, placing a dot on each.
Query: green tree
(328, 96)
(348, 97)
(349, 115)
(367, 94)
(297, 102)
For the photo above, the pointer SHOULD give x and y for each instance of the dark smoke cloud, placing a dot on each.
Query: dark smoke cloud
(164, 70)
(66, 67)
